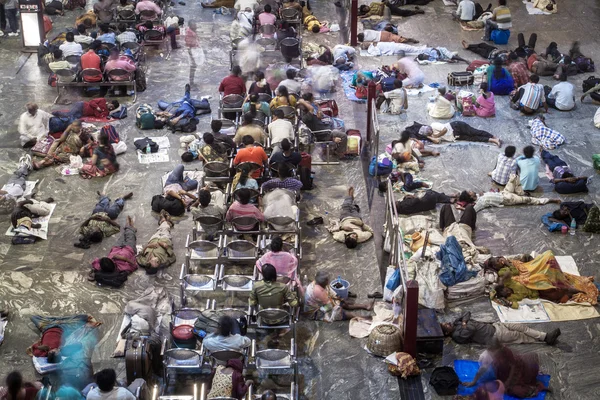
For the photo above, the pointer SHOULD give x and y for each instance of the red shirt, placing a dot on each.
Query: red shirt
(90, 108)
(91, 60)
(255, 154)
(232, 85)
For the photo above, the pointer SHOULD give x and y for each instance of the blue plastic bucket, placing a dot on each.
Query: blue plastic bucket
(343, 292)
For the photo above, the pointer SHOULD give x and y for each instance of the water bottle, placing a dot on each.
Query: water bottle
(148, 150)
(326, 219)
(573, 227)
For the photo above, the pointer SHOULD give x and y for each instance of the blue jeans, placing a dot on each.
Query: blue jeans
(176, 176)
(552, 161)
(113, 210)
(13, 21)
(75, 112)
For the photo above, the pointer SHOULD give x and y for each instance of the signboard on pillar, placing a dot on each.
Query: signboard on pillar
(32, 24)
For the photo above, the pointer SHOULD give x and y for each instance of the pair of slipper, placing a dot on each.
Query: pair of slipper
(315, 221)
(374, 295)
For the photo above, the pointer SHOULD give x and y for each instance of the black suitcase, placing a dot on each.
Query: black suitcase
(138, 359)
(430, 338)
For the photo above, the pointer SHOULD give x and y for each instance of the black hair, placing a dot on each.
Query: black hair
(204, 197)
(362, 10)
(107, 265)
(216, 125)
(308, 96)
(404, 136)
(267, 8)
(226, 324)
(290, 73)
(361, 37)
(81, 29)
(442, 90)
(276, 244)
(567, 175)
(95, 45)
(283, 92)
(103, 138)
(105, 27)
(269, 273)
(188, 156)
(248, 118)
(96, 236)
(350, 241)
(278, 113)
(528, 151)
(268, 395)
(283, 170)
(244, 195)
(316, 29)
(285, 145)
(115, 104)
(57, 54)
(122, 27)
(484, 88)
(502, 2)
(70, 37)
(534, 78)
(465, 196)
(397, 83)
(106, 379)
(382, 186)
(149, 24)
(14, 382)
(510, 151)
(253, 100)
(246, 140)
(123, 2)
(244, 173)
(236, 70)
(498, 67)
(208, 138)
(563, 77)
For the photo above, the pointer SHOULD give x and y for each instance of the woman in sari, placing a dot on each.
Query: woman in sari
(104, 159)
(485, 106)
(542, 276)
(62, 149)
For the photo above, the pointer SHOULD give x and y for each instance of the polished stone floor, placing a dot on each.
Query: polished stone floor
(50, 276)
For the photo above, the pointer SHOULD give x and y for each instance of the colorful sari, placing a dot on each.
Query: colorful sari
(544, 273)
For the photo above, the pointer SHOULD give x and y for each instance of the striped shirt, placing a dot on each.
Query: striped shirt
(533, 95)
(505, 166)
(502, 17)
(488, 199)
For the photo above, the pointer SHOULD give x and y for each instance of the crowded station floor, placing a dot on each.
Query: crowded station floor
(51, 277)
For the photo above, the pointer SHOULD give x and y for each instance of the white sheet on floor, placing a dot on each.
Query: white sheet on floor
(42, 366)
(162, 155)
(529, 311)
(449, 3)
(533, 10)
(415, 92)
(41, 233)
(29, 186)
(567, 264)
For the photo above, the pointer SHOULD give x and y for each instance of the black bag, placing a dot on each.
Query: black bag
(206, 324)
(460, 78)
(185, 125)
(445, 381)
(141, 144)
(140, 80)
(111, 279)
(58, 124)
(589, 83)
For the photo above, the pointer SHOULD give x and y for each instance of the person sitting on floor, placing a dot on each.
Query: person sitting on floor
(158, 253)
(284, 262)
(175, 197)
(499, 79)
(441, 107)
(395, 100)
(528, 165)
(561, 175)
(530, 97)
(242, 207)
(101, 224)
(414, 75)
(69, 144)
(506, 165)
(227, 338)
(351, 229)
(586, 215)
(501, 19)
(465, 330)
(33, 125)
(106, 389)
(103, 161)
(517, 69)
(322, 304)
(561, 96)
(542, 135)
(369, 35)
(485, 105)
(17, 389)
(512, 195)
(465, 11)
(113, 269)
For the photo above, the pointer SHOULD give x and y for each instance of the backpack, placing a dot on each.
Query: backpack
(387, 84)
(468, 109)
(141, 144)
(120, 113)
(584, 64)
(58, 124)
(113, 135)
(140, 80)
(144, 117)
(305, 171)
(445, 381)
(206, 324)
(384, 167)
(590, 83)
(112, 279)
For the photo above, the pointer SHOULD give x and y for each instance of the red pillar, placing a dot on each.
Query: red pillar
(371, 94)
(410, 318)
(353, 22)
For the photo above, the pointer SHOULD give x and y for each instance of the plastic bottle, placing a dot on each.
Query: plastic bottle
(148, 150)
(573, 227)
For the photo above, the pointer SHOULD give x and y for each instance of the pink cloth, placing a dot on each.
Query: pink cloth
(145, 5)
(238, 209)
(123, 62)
(125, 262)
(267, 18)
(285, 264)
(487, 107)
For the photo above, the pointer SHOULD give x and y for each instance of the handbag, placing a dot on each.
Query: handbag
(394, 281)
(361, 92)
(460, 78)
(42, 147)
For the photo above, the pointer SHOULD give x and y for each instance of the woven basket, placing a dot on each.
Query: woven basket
(384, 340)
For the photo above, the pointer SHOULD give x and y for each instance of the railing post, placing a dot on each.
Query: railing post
(371, 93)
(353, 23)
(411, 308)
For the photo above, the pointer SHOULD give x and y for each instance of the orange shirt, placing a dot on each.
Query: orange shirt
(254, 154)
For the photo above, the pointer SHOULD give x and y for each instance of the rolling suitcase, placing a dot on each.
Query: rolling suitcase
(305, 171)
(138, 359)
(354, 142)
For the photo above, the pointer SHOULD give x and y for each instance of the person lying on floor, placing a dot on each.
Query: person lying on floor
(450, 132)
(544, 136)
(391, 49)
(411, 204)
(311, 22)
(442, 54)
(69, 144)
(158, 253)
(175, 197)
(406, 150)
(512, 195)
(394, 101)
(586, 215)
(541, 277)
(466, 330)
(561, 175)
(351, 229)
(113, 269)
(343, 57)
(16, 185)
(486, 51)
(322, 304)
(369, 35)
(26, 210)
(102, 223)
(185, 107)
(386, 9)
(97, 108)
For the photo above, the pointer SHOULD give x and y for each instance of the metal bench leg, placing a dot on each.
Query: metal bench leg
(327, 161)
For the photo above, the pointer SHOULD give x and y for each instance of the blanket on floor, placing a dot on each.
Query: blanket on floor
(466, 370)
(41, 232)
(346, 85)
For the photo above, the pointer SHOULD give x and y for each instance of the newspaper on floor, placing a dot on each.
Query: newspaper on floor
(29, 187)
(529, 311)
(41, 232)
(163, 151)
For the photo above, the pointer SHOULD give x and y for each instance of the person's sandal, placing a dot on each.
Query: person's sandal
(375, 295)
(315, 221)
